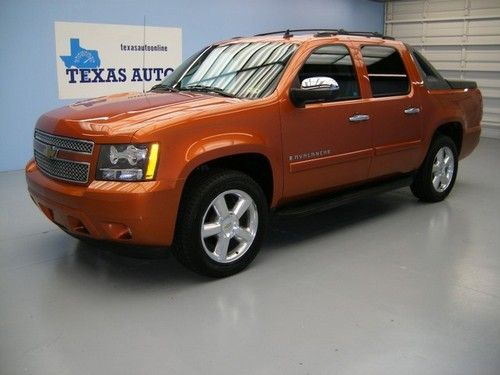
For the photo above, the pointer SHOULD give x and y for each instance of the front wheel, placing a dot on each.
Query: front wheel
(221, 223)
(436, 177)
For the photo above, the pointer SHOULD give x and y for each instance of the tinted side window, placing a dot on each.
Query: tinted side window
(424, 66)
(335, 62)
(386, 71)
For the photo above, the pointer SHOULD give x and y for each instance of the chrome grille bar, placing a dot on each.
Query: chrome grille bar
(64, 143)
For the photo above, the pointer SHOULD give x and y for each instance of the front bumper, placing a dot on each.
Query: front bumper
(140, 213)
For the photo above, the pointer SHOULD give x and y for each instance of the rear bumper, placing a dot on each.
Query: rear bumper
(141, 213)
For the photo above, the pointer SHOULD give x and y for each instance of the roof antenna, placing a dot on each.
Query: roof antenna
(287, 34)
(144, 55)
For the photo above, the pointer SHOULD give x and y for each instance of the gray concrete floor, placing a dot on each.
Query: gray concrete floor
(386, 285)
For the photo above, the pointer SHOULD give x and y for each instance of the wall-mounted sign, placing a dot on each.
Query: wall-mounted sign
(100, 59)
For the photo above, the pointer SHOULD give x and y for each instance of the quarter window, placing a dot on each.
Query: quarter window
(332, 61)
(386, 71)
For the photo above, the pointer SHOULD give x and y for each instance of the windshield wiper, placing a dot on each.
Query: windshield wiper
(160, 87)
(216, 90)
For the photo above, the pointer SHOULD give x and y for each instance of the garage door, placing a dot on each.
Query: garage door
(461, 38)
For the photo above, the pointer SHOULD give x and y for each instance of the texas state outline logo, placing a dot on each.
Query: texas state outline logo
(81, 58)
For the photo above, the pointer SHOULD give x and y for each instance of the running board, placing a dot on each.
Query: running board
(327, 202)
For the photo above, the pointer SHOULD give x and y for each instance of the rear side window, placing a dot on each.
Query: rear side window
(386, 71)
(333, 61)
(425, 66)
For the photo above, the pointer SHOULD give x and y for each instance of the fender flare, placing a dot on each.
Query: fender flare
(230, 144)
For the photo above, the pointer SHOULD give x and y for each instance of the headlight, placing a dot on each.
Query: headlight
(127, 162)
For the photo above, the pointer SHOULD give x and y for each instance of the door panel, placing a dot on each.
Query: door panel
(396, 135)
(322, 148)
(395, 107)
(329, 144)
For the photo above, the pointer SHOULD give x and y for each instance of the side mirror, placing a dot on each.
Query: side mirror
(314, 90)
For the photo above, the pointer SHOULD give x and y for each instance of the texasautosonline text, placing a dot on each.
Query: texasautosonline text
(144, 47)
(104, 75)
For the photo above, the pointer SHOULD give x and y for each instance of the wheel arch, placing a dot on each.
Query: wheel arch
(452, 129)
(255, 165)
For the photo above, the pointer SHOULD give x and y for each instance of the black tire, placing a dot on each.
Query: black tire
(423, 187)
(197, 205)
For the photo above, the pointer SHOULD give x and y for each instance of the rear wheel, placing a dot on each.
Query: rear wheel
(221, 222)
(436, 176)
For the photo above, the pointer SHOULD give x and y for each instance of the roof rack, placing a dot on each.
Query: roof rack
(327, 32)
(369, 34)
(288, 31)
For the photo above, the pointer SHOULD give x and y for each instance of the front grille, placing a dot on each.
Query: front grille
(70, 144)
(67, 170)
(46, 149)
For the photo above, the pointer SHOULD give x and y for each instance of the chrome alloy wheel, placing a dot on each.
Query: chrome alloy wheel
(229, 226)
(443, 169)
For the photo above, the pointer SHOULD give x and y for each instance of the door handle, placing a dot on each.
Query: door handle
(359, 118)
(412, 110)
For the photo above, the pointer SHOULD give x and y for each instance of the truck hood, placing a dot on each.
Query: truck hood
(124, 114)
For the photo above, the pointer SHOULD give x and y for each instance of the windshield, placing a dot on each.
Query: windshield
(242, 70)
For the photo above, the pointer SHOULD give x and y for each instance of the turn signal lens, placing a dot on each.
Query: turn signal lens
(152, 161)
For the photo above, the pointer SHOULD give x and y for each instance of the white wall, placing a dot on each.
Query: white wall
(461, 38)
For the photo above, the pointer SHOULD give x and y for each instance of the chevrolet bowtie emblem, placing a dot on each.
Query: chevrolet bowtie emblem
(51, 152)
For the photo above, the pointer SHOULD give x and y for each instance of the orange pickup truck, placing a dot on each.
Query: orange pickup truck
(291, 122)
